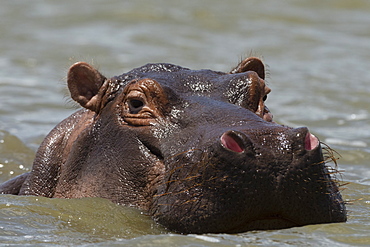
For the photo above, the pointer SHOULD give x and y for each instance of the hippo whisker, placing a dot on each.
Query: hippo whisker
(329, 153)
(193, 173)
(173, 193)
(333, 172)
(183, 160)
(181, 155)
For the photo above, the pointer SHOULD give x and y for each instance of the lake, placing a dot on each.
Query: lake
(318, 57)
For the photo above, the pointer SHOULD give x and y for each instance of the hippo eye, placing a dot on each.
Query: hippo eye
(135, 105)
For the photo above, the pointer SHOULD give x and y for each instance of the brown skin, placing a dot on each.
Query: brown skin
(196, 149)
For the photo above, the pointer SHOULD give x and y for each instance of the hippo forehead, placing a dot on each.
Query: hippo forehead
(179, 79)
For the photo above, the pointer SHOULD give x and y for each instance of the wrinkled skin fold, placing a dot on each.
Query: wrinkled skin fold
(197, 149)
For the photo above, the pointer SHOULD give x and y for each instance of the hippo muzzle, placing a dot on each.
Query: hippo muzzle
(263, 179)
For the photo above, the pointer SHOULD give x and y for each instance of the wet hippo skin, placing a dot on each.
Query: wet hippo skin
(196, 149)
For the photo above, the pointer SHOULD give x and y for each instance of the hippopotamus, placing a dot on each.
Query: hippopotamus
(198, 150)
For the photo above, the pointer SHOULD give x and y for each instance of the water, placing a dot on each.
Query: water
(318, 53)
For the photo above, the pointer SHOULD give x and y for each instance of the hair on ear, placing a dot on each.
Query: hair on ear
(250, 64)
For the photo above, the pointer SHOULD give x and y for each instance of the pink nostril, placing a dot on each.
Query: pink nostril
(310, 141)
(230, 142)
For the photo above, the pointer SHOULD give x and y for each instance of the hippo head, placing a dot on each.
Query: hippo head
(203, 149)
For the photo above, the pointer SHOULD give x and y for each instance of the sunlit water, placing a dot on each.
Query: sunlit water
(318, 54)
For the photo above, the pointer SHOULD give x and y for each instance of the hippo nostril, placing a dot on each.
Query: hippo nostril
(310, 141)
(230, 140)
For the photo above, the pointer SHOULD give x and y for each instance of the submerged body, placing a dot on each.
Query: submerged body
(198, 150)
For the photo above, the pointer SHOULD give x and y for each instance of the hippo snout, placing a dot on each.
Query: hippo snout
(269, 177)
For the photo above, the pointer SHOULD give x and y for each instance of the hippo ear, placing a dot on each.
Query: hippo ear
(84, 83)
(250, 64)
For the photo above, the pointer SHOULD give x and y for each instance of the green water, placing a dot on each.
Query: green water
(318, 56)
